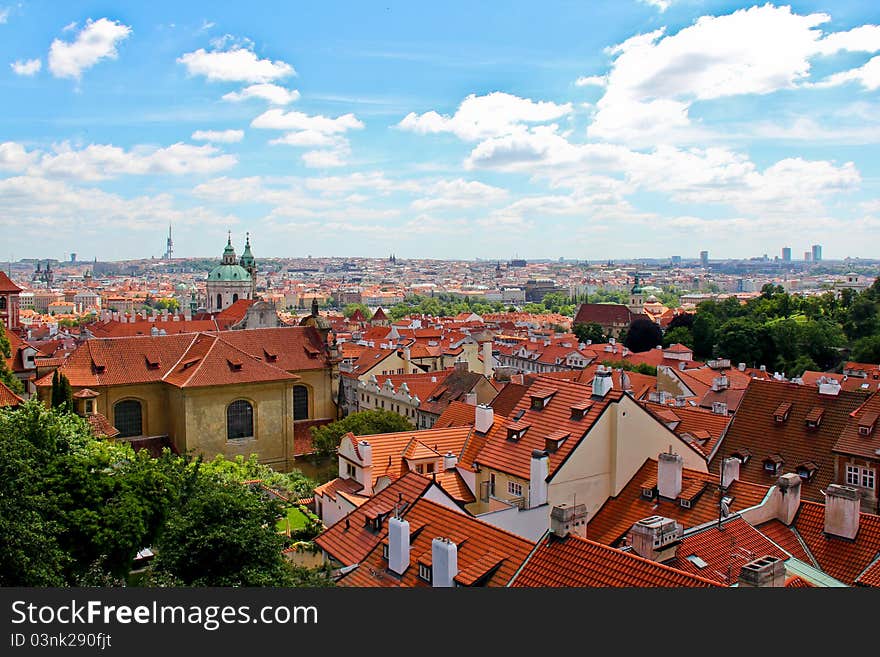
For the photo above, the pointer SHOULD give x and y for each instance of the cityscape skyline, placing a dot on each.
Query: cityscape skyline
(449, 132)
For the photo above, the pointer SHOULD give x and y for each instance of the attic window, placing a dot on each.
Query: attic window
(579, 411)
(684, 503)
(867, 423)
(807, 470)
(814, 418)
(697, 561)
(781, 413)
(554, 440)
(773, 463)
(648, 492)
(425, 572)
(152, 361)
(234, 365)
(516, 416)
(189, 363)
(743, 456)
(516, 431)
(99, 369)
(540, 398)
(270, 357)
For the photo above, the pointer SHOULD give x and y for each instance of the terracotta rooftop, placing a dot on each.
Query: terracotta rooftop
(7, 397)
(701, 428)
(6, 284)
(861, 434)
(457, 414)
(755, 428)
(579, 562)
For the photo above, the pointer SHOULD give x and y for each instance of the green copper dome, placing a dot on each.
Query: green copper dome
(247, 258)
(229, 269)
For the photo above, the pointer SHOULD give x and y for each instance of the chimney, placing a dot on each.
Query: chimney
(407, 359)
(656, 538)
(471, 398)
(602, 382)
(741, 367)
(568, 519)
(461, 366)
(842, 511)
(669, 467)
(730, 471)
(488, 360)
(366, 452)
(789, 486)
(398, 545)
(484, 418)
(449, 461)
(765, 572)
(831, 387)
(539, 468)
(444, 562)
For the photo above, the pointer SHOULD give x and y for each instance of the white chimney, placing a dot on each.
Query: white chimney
(602, 382)
(789, 486)
(656, 538)
(444, 562)
(484, 418)
(488, 360)
(842, 511)
(398, 545)
(366, 452)
(768, 571)
(449, 461)
(730, 471)
(669, 467)
(539, 468)
(566, 519)
(741, 367)
(831, 387)
(471, 398)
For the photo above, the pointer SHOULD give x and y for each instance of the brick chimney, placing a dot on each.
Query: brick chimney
(669, 468)
(842, 511)
(789, 486)
(765, 572)
(656, 538)
(568, 519)
(398, 545)
(444, 562)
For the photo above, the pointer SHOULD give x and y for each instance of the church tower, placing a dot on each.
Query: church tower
(249, 264)
(229, 281)
(637, 298)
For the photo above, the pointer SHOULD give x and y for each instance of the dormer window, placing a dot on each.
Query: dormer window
(743, 456)
(425, 572)
(385, 551)
(648, 492)
(773, 463)
(684, 503)
(867, 423)
(782, 412)
(814, 418)
(579, 411)
(554, 440)
(807, 470)
(540, 399)
(516, 431)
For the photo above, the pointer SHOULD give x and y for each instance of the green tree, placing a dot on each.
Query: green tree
(643, 334)
(704, 331)
(6, 375)
(62, 395)
(862, 320)
(679, 334)
(590, 331)
(866, 350)
(325, 440)
(741, 339)
(293, 485)
(351, 308)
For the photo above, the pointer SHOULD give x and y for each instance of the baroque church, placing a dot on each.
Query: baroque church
(233, 278)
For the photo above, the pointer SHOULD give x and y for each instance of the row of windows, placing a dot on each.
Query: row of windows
(128, 416)
(856, 476)
(407, 412)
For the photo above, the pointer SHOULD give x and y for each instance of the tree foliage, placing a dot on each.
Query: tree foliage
(591, 332)
(6, 375)
(325, 439)
(643, 334)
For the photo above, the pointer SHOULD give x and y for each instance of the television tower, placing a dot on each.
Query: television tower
(169, 246)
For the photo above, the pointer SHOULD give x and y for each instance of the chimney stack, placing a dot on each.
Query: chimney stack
(449, 461)
(471, 398)
(488, 360)
(768, 571)
(602, 382)
(669, 467)
(539, 469)
(444, 562)
(730, 471)
(842, 511)
(656, 538)
(789, 486)
(398, 545)
(366, 452)
(484, 418)
(566, 519)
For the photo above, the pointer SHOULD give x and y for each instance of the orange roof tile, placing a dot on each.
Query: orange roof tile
(457, 414)
(852, 439)
(8, 398)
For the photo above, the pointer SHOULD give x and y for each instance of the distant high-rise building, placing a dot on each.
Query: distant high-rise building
(704, 258)
(807, 256)
(786, 254)
(676, 260)
(73, 257)
(169, 246)
(817, 253)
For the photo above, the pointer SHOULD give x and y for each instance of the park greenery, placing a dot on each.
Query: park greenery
(76, 509)
(7, 377)
(326, 439)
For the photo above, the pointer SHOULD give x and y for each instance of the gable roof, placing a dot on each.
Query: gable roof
(604, 314)
(701, 428)
(6, 284)
(851, 441)
(579, 562)
(754, 428)
(457, 414)
(7, 397)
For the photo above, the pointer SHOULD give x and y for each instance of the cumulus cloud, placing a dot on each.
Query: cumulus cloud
(26, 67)
(660, 5)
(273, 93)
(97, 40)
(15, 157)
(458, 193)
(482, 117)
(276, 119)
(219, 136)
(591, 80)
(305, 130)
(237, 64)
(867, 75)
(4, 14)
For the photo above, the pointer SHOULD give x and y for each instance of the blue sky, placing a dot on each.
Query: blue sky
(445, 130)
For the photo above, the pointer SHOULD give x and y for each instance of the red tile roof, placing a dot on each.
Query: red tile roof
(579, 562)
(605, 314)
(101, 426)
(851, 440)
(6, 284)
(782, 535)
(116, 329)
(754, 428)
(842, 559)
(350, 540)
(508, 397)
(7, 397)
(457, 414)
(616, 517)
(701, 428)
(487, 556)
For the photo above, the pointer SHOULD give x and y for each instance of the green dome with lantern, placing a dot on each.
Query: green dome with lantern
(229, 269)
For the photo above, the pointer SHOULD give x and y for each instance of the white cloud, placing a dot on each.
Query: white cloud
(239, 64)
(308, 139)
(336, 157)
(26, 67)
(4, 14)
(481, 117)
(660, 5)
(69, 27)
(219, 136)
(274, 94)
(104, 161)
(96, 41)
(458, 193)
(750, 51)
(591, 80)
(867, 75)
(307, 130)
(276, 119)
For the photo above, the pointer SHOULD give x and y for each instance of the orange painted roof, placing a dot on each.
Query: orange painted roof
(616, 517)
(350, 540)
(842, 559)
(487, 556)
(579, 562)
(755, 429)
